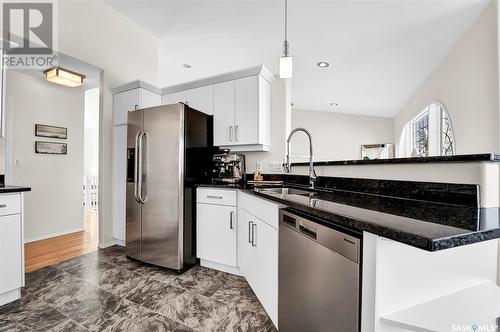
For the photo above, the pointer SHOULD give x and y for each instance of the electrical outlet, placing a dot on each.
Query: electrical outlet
(18, 163)
(258, 166)
(275, 166)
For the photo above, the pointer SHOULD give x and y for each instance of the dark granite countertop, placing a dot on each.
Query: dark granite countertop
(425, 225)
(482, 157)
(13, 189)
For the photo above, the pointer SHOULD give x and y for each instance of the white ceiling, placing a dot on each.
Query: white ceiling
(379, 52)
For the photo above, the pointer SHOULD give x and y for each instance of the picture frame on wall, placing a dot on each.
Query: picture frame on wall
(42, 147)
(42, 130)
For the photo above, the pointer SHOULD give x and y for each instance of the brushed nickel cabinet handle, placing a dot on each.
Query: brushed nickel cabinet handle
(250, 240)
(231, 215)
(236, 133)
(254, 233)
(230, 133)
(214, 197)
(3, 206)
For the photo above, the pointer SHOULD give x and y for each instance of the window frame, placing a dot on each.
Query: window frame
(435, 125)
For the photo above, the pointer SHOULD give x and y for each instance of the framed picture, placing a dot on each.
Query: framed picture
(51, 131)
(50, 148)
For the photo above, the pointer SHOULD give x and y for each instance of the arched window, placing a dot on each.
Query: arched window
(430, 133)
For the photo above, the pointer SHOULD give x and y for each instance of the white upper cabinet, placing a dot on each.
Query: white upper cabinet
(123, 103)
(242, 114)
(224, 113)
(149, 99)
(173, 98)
(246, 111)
(240, 103)
(201, 99)
(126, 101)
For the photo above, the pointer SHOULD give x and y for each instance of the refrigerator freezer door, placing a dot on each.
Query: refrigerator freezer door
(133, 213)
(162, 187)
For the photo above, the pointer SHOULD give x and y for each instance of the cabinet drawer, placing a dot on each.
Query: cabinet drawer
(216, 196)
(10, 204)
(261, 208)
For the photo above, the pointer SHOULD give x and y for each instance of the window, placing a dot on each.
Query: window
(430, 133)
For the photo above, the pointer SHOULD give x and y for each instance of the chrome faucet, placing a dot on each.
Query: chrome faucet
(288, 164)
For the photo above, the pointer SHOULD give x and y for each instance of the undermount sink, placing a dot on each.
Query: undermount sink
(285, 191)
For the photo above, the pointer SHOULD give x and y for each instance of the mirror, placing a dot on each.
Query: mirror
(401, 79)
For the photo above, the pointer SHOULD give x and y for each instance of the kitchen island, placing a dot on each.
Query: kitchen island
(414, 252)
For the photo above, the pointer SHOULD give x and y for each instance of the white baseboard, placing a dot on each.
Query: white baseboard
(221, 267)
(119, 242)
(10, 296)
(48, 236)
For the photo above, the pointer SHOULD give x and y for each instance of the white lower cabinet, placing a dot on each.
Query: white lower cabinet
(216, 233)
(244, 243)
(258, 258)
(11, 248)
(216, 229)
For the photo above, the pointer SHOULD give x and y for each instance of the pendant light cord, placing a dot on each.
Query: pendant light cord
(285, 43)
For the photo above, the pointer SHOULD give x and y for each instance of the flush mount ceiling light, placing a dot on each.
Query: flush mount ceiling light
(322, 64)
(187, 66)
(64, 77)
(286, 61)
(334, 104)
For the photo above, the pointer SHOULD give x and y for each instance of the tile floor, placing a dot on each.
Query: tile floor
(105, 291)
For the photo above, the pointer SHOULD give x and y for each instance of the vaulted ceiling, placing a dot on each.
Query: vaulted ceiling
(379, 52)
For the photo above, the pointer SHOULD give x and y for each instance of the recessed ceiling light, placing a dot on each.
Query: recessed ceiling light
(186, 65)
(322, 64)
(334, 104)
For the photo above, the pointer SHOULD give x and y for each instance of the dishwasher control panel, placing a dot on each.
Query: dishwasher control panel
(342, 243)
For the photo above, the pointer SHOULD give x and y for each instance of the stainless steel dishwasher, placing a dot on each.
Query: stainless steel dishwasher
(319, 277)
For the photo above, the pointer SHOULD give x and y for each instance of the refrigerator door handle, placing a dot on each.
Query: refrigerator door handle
(142, 198)
(136, 167)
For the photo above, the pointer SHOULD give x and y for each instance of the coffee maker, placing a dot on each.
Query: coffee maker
(228, 168)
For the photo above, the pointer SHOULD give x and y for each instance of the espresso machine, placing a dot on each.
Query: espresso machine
(228, 168)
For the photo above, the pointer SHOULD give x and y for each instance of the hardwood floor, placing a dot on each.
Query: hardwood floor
(47, 252)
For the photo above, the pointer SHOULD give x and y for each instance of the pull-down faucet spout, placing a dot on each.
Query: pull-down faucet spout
(288, 165)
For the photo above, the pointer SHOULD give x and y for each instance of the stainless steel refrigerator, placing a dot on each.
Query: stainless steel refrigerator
(169, 150)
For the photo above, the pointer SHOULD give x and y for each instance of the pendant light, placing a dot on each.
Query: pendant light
(286, 61)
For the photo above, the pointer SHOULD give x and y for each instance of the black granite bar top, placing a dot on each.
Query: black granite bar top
(482, 157)
(426, 225)
(13, 189)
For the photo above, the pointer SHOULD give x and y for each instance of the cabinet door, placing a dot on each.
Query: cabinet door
(149, 99)
(119, 181)
(243, 240)
(124, 102)
(173, 98)
(247, 248)
(201, 99)
(224, 113)
(216, 233)
(11, 259)
(246, 110)
(266, 239)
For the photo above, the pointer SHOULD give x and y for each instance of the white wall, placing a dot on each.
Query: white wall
(466, 82)
(338, 136)
(54, 206)
(91, 133)
(94, 32)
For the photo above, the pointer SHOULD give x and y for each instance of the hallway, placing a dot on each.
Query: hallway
(51, 251)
